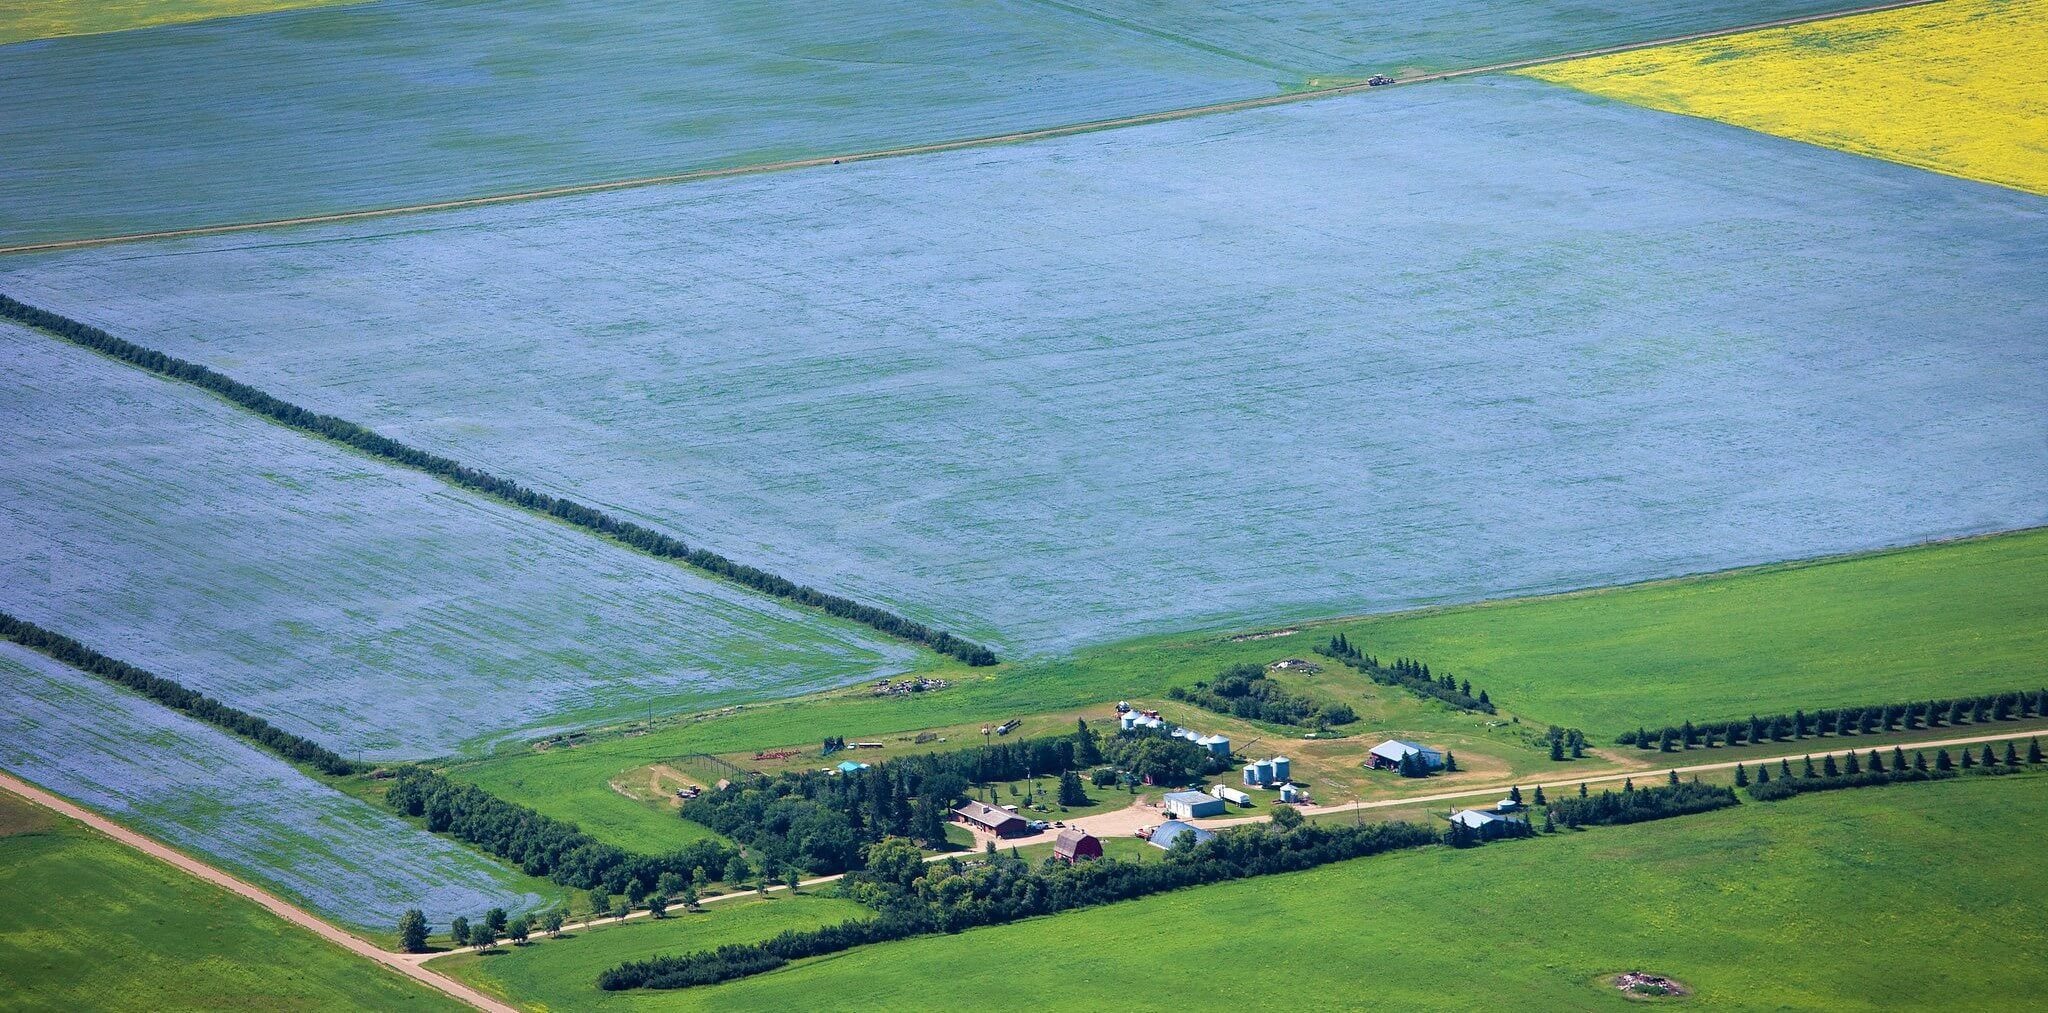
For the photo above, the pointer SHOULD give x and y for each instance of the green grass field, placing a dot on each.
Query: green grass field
(1957, 617)
(1925, 896)
(1936, 620)
(561, 974)
(89, 924)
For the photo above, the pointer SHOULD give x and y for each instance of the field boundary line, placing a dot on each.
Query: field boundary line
(269, 901)
(1016, 137)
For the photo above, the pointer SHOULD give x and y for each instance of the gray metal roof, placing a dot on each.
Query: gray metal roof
(1171, 829)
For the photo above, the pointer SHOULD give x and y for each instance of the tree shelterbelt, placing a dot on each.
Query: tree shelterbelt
(177, 697)
(1409, 674)
(367, 441)
(1843, 721)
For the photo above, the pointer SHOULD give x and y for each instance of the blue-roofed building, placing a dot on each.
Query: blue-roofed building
(1193, 805)
(848, 766)
(1172, 830)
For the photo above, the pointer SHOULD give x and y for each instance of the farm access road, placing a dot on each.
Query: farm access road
(1141, 119)
(277, 906)
(1127, 821)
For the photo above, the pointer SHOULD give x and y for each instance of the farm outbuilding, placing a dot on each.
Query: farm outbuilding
(1171, 830)
(1291, 792)
(1074, 845)
(1485, 824)
(1229, 794)
(1189, 805)
(1000, 822)
(1389, 754)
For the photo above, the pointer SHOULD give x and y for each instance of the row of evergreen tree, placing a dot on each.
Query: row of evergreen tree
(369, 442)
(1409, 674)
(915, 897)
(540, 845)
(177, 697)
(1851, 771)
(1243, 691)
(2008, 706)
(1637, 805)
(823, 821)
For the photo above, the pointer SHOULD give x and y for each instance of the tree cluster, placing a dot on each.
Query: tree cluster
(823, 821)
(590, 519)
(1637, 805)
(178, 698)
(914, 897)
(1244, 691)
(540, 845)
(1408, 674)
(1799, 724)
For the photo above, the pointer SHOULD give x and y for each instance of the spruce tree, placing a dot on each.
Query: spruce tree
(1540, 801)
(1450, 763)
(2012, 756)
(1987, 759)
(1798, 724)
(1919, 761)
(1549, 820)
(1942, 761)
(2034, 750)
(1557, 750)
(1851, 765)
(1667, 740)
(1785, 768)
(1515, 794)
(1674, 779)
(1969, 760)
(1689, 735)
(1642, 737)
(1763, 774)
(1899, 759)
(1741, 776)
(1809, 768)
(1828, 767)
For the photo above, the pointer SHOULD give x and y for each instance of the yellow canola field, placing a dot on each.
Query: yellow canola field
(22, 20)
(1959, 86)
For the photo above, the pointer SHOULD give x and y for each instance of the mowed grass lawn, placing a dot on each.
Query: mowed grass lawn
(561, 974)
(1929, 896)
(90, 924)
(1954, 87)
(1929, 621)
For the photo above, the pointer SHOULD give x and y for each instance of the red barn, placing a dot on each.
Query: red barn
(1074, 845)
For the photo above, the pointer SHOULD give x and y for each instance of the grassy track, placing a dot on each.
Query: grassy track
(1954, 87)
(89, 924)
(23, 20)
(560, 973)
(1919, 896)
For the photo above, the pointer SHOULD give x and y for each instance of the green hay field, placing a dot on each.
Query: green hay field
(1911, 897)
(560, 974)
(89, 924)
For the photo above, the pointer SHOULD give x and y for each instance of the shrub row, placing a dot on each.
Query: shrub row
(1638, 805)
(917, 897)
(539, 845)
(175, 696)
(384, 448)
(1408, 674)
(1799, 724)
(1243, 691)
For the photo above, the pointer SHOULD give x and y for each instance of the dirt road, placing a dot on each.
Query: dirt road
(298, 916)
(923, 149)
(1126, 821)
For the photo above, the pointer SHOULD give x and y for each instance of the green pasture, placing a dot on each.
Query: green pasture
(90, 924)
(561, 974)
(1917, 896)
(1938, 620)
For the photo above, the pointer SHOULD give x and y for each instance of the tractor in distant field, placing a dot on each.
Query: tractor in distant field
(1378, 79)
